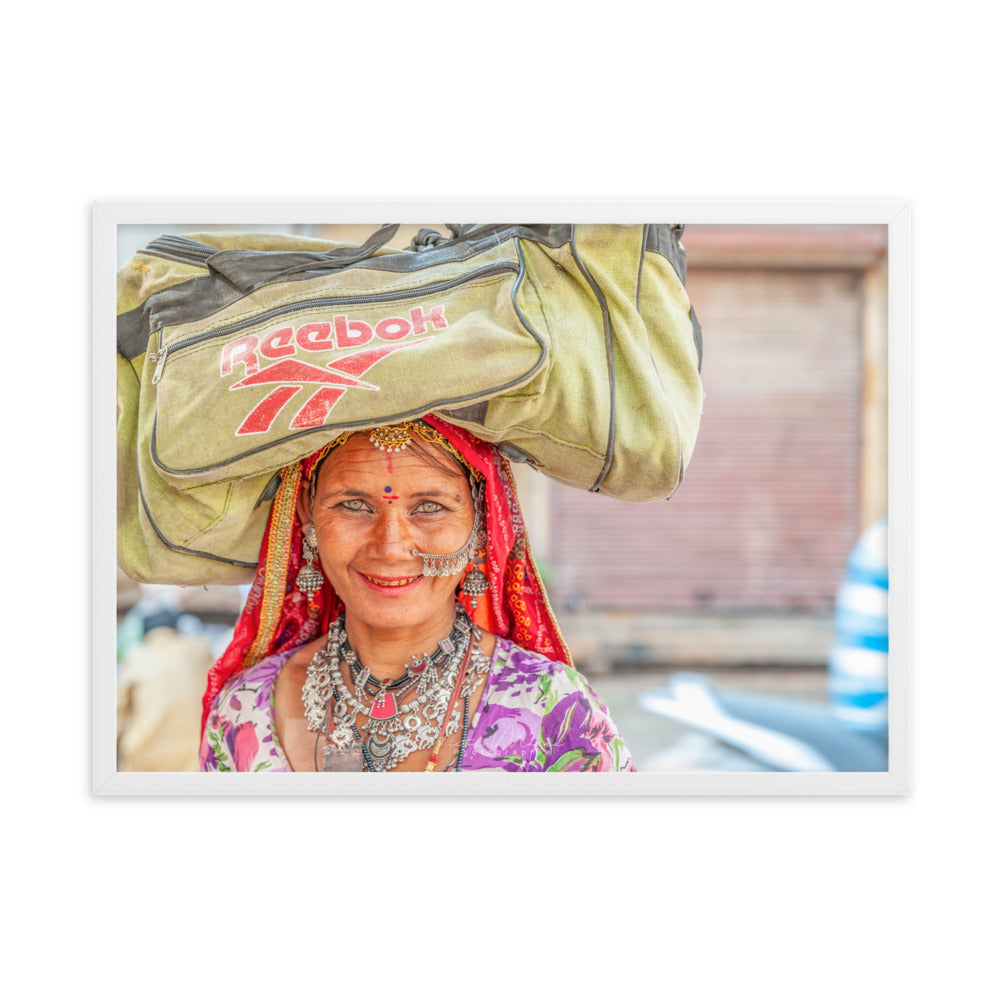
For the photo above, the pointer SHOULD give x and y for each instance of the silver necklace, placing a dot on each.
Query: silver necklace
(393, 728)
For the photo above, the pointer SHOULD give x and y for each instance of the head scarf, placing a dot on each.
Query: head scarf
(277, 616)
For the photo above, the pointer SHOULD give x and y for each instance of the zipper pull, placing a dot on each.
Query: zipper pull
(160, 357)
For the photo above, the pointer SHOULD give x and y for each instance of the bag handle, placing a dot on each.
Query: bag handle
(428, 239)
(249, 269)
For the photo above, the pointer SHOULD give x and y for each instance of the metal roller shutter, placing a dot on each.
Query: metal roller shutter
(768, 510)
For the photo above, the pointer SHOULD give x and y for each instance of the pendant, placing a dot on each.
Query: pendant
(383, 707)
(380, 750)
(342, 760)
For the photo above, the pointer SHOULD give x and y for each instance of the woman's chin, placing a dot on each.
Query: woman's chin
(399, 605)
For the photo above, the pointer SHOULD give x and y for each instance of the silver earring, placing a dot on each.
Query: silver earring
(310, 579)
(475, 585)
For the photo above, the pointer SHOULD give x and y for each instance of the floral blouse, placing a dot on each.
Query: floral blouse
(534, 715)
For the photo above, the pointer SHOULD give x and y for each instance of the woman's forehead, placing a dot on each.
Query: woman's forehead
(359, 458)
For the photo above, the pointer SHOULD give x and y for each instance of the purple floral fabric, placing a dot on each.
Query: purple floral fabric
(239, 731)
(535, 715)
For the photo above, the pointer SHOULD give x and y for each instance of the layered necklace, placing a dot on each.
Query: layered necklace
(411, 713)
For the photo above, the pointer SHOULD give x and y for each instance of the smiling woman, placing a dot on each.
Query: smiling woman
(398, 622)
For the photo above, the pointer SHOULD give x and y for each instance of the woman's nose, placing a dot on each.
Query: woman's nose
(391, 534)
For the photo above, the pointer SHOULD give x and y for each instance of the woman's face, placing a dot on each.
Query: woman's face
(372, 509)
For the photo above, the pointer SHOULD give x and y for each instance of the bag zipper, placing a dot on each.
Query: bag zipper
(160, 356)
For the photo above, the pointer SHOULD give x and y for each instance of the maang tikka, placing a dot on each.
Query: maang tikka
(309, 579)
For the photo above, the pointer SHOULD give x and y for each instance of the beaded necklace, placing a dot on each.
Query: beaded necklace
(421, 672)
(394, 728)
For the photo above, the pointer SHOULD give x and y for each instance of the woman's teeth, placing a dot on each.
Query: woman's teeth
(382, 582)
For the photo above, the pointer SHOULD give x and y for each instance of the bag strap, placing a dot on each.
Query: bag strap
(249, 269)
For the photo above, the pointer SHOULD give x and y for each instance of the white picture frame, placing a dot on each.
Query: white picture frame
(895, 781)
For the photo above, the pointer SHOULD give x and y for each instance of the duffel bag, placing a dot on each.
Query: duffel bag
(574, 347)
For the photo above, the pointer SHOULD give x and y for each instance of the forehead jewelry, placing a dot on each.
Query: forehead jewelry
(395, 437)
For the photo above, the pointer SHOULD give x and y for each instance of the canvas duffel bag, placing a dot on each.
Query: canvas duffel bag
(572, 346)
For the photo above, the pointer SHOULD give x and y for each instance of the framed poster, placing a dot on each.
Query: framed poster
(725, 630)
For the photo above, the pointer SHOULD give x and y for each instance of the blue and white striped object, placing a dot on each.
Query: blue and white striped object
(859, 660)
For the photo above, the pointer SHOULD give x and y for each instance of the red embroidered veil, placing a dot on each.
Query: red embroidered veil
(277, 616)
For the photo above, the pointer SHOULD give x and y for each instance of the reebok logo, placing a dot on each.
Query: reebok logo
(290, 374)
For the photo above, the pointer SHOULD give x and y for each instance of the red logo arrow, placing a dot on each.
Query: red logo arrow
(292, 375)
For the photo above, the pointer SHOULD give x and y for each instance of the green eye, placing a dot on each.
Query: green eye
(429, 507)
(358, 505)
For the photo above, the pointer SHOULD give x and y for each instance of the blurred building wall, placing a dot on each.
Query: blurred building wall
(772, 501)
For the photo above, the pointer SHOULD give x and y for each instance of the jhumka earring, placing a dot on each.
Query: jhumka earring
(475, 585)
(309, 579)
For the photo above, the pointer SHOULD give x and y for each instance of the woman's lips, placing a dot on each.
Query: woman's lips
(390, 584)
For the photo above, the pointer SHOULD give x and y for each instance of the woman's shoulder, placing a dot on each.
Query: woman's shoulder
(542, 714)
(259, 677)
(265, 674)
(239, 732)
(515, 666)
(511, 653)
